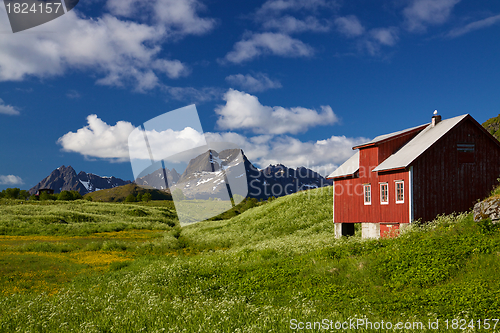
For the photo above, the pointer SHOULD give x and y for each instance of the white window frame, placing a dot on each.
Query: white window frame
(381, 195)
(369, 187)
(396, 191)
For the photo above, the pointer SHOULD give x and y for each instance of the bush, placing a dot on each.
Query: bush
(14, 193)
(45, 196)
(146, 197)
(130, 198)
(65, 196)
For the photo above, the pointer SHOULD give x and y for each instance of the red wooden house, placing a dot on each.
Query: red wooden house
(417, 173)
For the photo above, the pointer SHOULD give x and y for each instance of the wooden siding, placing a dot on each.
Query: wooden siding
(391, 146)
(442, 185)
(349, 193)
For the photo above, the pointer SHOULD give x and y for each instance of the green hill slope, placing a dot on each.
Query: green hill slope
(492, 125)
(277, 263)
(305, 215)
(119, 193)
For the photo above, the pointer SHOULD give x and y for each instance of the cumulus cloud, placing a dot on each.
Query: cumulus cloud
(323, 156)
(193, 95)
(122, 141)
(349, 26)
(481, 24)
(273, 7)
(385, 36)
(123, 52)
(290, 24)
(11, 180)
(98, 139)
(375, 39)
(253, 83)
(422, 13)
(73, 94)
(372, 40)
(178, 17)
(244, 111)
(8, 109)
(163, 144)
(268, 43)
(119, 142)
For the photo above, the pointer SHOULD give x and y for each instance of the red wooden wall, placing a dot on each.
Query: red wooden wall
(349, 204)
(442, 185)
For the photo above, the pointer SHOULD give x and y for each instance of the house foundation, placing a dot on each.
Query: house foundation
(344, 229)
(370, 230)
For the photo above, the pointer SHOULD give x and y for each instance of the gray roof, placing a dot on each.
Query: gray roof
(419, 144)
(387, 136)
(349, 167)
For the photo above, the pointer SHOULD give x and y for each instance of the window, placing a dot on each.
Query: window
(400, 191)
(465, 152)
(368, 194)
(384, 193)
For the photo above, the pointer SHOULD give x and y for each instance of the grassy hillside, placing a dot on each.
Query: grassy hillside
(78, 218)
(492, 125)
(272, 264)
(119, 193)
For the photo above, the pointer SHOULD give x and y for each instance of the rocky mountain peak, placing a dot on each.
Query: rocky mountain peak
(66, 179)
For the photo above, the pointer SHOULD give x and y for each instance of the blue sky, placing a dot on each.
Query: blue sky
(293, 81)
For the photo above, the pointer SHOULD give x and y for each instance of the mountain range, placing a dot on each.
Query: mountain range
(66, 179)
(205, 176)
(208, 174)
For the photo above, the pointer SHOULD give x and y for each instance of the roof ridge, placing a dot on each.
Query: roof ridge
(410, 151)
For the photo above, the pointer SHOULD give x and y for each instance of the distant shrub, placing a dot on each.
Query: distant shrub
(45, 196)
(130, 198)
(14, 193)
(65, 196)
(146, 197)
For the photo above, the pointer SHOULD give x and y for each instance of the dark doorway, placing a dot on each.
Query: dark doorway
(347, 229)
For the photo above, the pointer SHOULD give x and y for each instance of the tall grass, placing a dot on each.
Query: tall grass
(274, 263)
(81, 217)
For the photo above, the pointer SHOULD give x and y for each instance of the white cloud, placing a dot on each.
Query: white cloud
(164, 143)
(98, 139)
(181, 15)
(376, 38)
(323, 156)
(123, 52)
(178, 17)
(271, 7)
(11, 180)
(349, 26)
(244, 111)
(115, 143)
(8, 109)
(290, 24)
(268, 43)
(172, 68)
(73, 94)
(422, 13)
(484, 23)
(193, 95)
(385, 36)
(256, 83)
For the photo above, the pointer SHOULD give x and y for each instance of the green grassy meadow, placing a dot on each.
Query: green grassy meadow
(111, 267)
